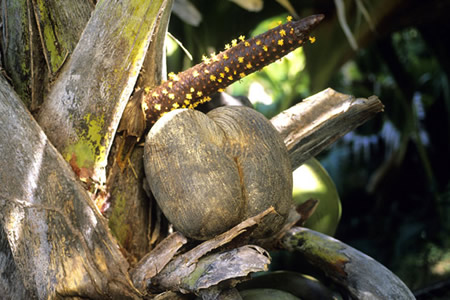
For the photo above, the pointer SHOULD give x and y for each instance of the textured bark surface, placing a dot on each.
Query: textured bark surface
(59, 243)
(15, 42)
(11, 281)
(37, 38)
(134, 217)
(60, 24)
(84, 106)
(318, 121)
(359, 274)
(195, 270)
(129, 207)
(156, 260)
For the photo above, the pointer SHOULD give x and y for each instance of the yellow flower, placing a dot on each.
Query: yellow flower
(212, 77)
(240, 59)
(205, 59)
(242, 37)
(214, 57)
(282, 32)
(281, 42)
(157, 106)
(312, 39)
(289, 18)
(173, 76)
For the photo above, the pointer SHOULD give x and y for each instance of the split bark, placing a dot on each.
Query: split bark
(134, 216)
(318, 121)
(84, 106)
(59, 243)
(37, 38)
(359, 274)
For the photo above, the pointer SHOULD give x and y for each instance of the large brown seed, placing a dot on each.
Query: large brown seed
(210, 172)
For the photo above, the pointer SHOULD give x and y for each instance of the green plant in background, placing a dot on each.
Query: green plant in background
(403, 188)
(406, 151)
(279, 85)
(271, 90)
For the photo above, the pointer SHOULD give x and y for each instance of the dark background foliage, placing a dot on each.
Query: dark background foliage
(392, 173)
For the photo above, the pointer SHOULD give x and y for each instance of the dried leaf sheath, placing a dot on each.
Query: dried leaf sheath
(193, 86)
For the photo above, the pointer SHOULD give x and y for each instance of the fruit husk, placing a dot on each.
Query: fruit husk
(210, 172)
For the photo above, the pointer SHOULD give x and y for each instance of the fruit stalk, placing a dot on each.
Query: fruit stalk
(195, 85)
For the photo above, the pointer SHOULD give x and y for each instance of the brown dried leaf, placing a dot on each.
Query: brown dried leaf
(177, 274)
(156, 260)
(318, 121)
(216, 268)
(362, 276)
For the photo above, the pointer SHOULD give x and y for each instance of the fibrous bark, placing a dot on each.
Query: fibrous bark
(84, 106)
(59, 245)
(359, 274)
(134, 217)
(37, 38)
(319, 120)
